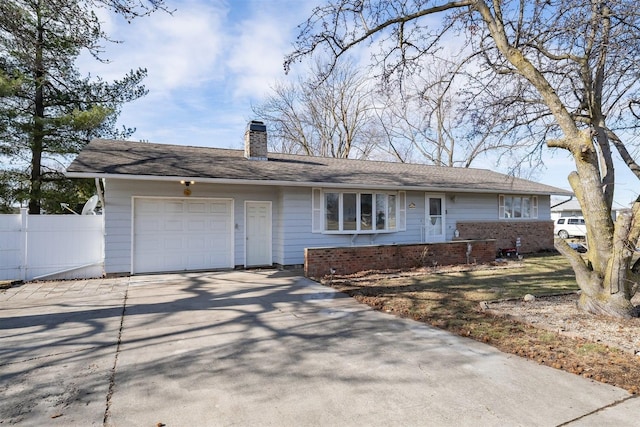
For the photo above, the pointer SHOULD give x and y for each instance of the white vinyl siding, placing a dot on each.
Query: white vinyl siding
(297, 217)
(118, 214)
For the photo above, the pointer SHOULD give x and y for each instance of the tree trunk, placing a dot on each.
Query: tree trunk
(606, 304)
(37, 136)
(606, 292)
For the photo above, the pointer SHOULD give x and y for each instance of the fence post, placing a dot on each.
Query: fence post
(24, 217)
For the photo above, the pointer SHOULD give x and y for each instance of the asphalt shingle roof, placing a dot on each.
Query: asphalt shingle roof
(122, 159)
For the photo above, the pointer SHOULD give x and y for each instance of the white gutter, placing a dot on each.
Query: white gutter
(300, 183)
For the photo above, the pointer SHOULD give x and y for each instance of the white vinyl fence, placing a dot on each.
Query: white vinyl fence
(36, 247)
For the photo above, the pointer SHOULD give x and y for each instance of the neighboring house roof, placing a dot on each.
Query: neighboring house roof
(562, 205)
(138, 160)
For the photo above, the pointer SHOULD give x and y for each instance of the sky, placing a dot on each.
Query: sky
(207, 63)
(211, 60)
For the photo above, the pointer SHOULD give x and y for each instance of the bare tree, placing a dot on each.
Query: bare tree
(322, 116)
(563, 72)
(427, 113)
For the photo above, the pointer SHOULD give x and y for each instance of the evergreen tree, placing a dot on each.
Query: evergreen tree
(49, 111)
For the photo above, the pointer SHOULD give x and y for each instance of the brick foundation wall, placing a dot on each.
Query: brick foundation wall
(318, 262)
(535, 236)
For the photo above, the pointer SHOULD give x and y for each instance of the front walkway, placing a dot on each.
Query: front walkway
(262, 348)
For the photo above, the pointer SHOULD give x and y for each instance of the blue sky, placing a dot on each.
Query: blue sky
(209, 61)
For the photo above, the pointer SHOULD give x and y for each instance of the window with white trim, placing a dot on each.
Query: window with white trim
(517, 207)
(352, 212)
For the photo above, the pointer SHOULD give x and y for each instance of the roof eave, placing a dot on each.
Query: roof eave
(306, 184)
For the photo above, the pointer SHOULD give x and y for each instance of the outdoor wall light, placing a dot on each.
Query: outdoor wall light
(187, 190)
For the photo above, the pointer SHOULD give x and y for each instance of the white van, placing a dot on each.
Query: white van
(566, 227)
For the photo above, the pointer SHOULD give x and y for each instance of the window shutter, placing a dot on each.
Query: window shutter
(402, 210)
(501, 206)
(316, 207)
(534, 207)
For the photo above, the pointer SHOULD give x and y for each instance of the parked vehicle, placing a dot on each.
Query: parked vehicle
(566, 227)
(578, 247)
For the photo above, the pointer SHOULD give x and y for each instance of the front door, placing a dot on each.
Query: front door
(258, 234)
(435, 218)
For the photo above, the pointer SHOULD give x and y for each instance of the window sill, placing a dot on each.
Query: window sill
(352, 232)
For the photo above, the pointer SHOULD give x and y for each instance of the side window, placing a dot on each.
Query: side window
(561, 221)
(517, 207)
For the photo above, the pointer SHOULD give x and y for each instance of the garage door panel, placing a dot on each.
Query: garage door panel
(147, 225)
(198, 243)
(173, 207)
(172, 244)
(173, 225)
(197, 207)
(220, 208)
(182, 234)
(199, 225)
(147, 207)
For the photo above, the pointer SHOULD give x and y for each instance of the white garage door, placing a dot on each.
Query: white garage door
(182, 234)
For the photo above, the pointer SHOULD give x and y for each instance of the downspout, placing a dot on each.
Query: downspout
(562, 203)
(99, 188)
(100, 194)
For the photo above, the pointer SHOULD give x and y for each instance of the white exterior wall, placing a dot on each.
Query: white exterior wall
(118, 213)
(483, 207)
(297, 221)
(292, 218)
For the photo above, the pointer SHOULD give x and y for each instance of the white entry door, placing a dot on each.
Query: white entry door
(435, 218)
(258, 234)
(182, 234)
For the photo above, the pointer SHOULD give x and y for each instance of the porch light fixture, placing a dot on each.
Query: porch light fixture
(187, 190)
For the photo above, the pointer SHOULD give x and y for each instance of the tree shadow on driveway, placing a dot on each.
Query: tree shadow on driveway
(257, 347)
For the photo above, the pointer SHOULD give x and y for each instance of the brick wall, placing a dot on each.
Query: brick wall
(318, 262)
(534, 236)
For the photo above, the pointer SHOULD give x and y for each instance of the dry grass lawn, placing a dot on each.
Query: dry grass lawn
(449, 298)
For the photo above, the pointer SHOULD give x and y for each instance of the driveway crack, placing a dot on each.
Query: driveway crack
(112, 377)
(611, 405)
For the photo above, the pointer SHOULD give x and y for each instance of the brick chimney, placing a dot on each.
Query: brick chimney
(255, 141)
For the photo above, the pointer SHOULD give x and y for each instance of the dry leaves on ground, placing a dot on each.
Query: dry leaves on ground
(550, 330)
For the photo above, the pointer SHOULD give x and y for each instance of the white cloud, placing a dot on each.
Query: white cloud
(261, 39)
(179, 50)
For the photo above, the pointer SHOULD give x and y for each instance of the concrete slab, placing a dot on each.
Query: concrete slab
(251, 348)
(262, 348)
(57, 354)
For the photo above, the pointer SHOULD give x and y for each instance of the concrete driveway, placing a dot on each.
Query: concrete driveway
(262, 348)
